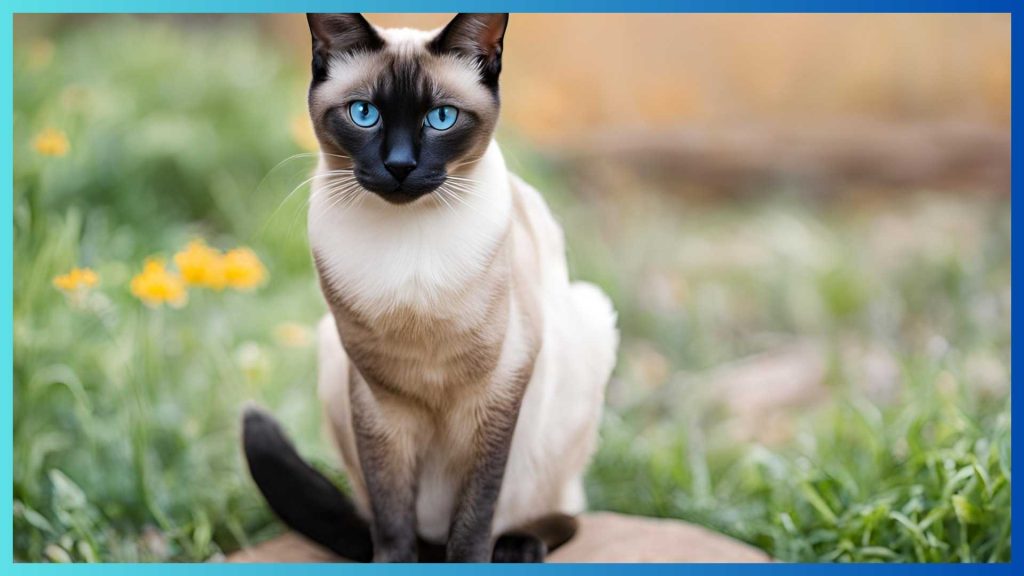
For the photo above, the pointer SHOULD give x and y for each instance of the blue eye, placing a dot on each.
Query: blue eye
(363, 113)
(442, 117)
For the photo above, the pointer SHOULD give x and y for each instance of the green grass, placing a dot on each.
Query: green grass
(126, 418)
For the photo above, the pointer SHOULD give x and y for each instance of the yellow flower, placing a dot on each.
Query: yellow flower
(156, 285)
(201, 265)
(303, 134)
(51, 142)
(243, 269)
(78, 279)
(292, 335)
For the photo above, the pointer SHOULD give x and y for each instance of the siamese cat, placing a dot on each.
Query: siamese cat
(462, 374)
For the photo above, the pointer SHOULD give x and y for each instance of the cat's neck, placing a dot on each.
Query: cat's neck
(422, 255)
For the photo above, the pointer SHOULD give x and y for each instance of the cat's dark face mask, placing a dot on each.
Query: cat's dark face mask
(404, 112)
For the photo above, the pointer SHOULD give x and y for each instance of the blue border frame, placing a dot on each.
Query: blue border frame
(11, 7)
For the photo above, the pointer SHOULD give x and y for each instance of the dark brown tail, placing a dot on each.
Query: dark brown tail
(302, 497)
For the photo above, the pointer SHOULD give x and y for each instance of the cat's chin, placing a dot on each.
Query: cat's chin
(400, 197)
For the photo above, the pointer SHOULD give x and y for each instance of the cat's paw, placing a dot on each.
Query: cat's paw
(519, 548)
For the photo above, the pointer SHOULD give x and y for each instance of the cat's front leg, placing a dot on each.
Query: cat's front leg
(387, 454)
(469, 538)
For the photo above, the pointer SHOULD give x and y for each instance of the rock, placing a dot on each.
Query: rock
(608, 537)
(286, 548)
(603, 537)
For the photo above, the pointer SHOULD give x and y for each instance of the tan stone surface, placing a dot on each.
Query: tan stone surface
(603, 537)
(287, 548)
(608, 537)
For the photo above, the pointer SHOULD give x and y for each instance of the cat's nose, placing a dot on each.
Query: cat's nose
(400, 166)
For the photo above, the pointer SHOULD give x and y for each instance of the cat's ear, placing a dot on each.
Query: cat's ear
(478, 36)
(338, 34)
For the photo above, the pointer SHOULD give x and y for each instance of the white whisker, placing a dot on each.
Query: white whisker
(336, 186)
(462, 179)
(342, 197)
(335, 202)
(335, 155)
(470, 161)
(292, 193)
(464, 188)
(442, 197)
(452, 193)
(342, 190)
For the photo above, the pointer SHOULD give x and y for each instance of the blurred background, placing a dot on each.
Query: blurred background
(803, 221)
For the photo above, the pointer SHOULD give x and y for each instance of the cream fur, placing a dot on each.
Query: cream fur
(442, 264)
(422, 255)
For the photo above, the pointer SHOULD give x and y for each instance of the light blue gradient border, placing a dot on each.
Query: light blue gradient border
(10, 7)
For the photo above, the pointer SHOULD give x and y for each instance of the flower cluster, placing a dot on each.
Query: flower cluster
(243, 269)
(202, 265)
(197, 265)
(76, 280)
(51, 142)
(156, 285)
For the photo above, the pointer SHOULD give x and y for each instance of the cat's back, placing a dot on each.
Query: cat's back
(540, 242)
(568, 307)
(557, 429)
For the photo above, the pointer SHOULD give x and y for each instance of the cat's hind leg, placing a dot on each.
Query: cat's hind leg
(533, 541)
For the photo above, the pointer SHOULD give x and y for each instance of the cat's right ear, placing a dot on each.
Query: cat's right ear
(338, 34)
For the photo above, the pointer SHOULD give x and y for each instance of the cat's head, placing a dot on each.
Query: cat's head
(404, 106)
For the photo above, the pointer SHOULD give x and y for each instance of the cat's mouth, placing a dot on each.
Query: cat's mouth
(400, 193)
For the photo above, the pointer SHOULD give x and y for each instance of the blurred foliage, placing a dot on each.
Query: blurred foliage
(126, 418)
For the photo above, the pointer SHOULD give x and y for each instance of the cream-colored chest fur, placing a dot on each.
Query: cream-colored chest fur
(471, 289)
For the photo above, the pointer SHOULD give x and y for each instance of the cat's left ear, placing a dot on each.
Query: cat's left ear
(478, 36)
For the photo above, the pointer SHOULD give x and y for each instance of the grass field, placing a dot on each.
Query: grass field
(826, 380)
